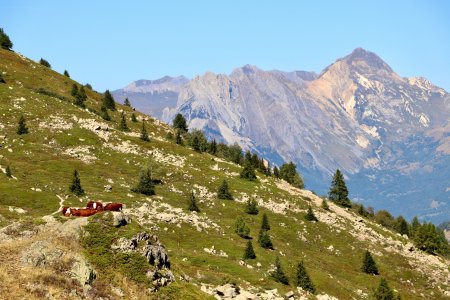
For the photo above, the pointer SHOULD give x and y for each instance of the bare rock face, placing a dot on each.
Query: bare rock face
(83, 272)
(39, 254)
(120, 219)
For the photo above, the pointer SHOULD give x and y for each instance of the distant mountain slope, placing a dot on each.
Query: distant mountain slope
(390, 135)
(152, 96)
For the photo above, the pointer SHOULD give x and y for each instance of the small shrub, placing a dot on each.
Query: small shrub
(251, 208)
(45, 63)
(22, 127)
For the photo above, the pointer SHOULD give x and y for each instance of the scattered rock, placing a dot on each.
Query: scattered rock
(82, 272)
(40, 254)
(108, 188)
(120, 219)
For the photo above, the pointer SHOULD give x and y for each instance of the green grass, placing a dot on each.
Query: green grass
(37, 161)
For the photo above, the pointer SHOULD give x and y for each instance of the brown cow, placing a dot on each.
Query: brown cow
(66, 211)
(83, 212)
(97, 205)
(113, 206)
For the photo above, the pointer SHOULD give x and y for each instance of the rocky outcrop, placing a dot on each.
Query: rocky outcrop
(82, 271)
(39, 254)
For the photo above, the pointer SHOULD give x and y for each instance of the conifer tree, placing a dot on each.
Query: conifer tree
(196, 144)
(383, 291)
(66, 73)
(104, 113)
(8, 171)
(276, 172)
(88, 86)
(145, 185)
(212, 147)
(178, 139)
(224, 192)
(144, 134)
(5, 42)
(45, 63)
(1, 78)
(415, 224)
(123, 123)
(193, 203)
(180, 123)
(338, 190)
(249, 252)
(265, 223)
(369, 266)
(75, 186)
(82, 94)
(401, 226)
(133, 118)
(127, 102)
(248, 172)
(108, 101)
(278, 274)
(241, 229)
(22, 128)
(325, 204)
(251, 207)
(303, 280)
(289, 173)
(310, 215)
(264, 240)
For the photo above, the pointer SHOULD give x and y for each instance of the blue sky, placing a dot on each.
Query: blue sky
(111, 43)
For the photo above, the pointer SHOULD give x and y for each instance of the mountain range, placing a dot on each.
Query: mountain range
(390, 135)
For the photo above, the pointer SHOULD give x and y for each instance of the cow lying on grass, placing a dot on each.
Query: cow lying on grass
(91, 209)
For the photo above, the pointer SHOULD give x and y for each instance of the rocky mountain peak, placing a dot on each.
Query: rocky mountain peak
(360, 57)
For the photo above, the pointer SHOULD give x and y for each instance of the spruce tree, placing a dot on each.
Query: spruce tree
(108, 101)
(249, 252)
(212, 147)
(310, 215)
(75, 186)
(66, 73)
(193, 203)
(144, 135)
(88, 86)
(251, 207)
(241, 229)
(224, 192)
(196, 144)
(45, 63)
(133, 118)
(276, 172)
(8, 171)
(74, 91)
(178, 139)
(265, 223)
(248, 172)
(415, 224)
(369, 266)
(303, 280)
(82, 94)
(127, 102)
(338, 190)
(288, 172)
(104, 113)
(278, 274)
(5, 42)
(145, 185)
(123, 123)
(264, 240)
(325, 204)
(401, 226)
(22, 128)
(383, 291)
(180, 123)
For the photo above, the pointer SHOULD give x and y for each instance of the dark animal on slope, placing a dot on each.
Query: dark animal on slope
(113, 206)
(94, 205)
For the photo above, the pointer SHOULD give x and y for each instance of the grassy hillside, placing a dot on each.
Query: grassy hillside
(64, 137)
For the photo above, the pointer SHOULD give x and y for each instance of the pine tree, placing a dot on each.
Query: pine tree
(401, 226)
(104, 113)
(310, 215)
(178, 139)
(212, 147)
(8, 172)
(383, 291)
(302, 279)
(278, 274)
(196, 144)
(241, 229)
(265, 223)
(415, 224)
(5, 42)
(264, 240)
(338, 190)
(74, 91)
(252, 207)
(66, 73)
(249, 252)
(45, 63)
(127, 102)
(22, 128)
(145, 185)
(325, 204)
(108, 101)
(193, 203)
(82, 93)
(369, 266)
(248, 172)
(133, 118)
(88, 86)
(180, 123)
(288, 172)
(276, 172)
(123, 123)
(224, 192)
(144, 135)
(75, 186)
